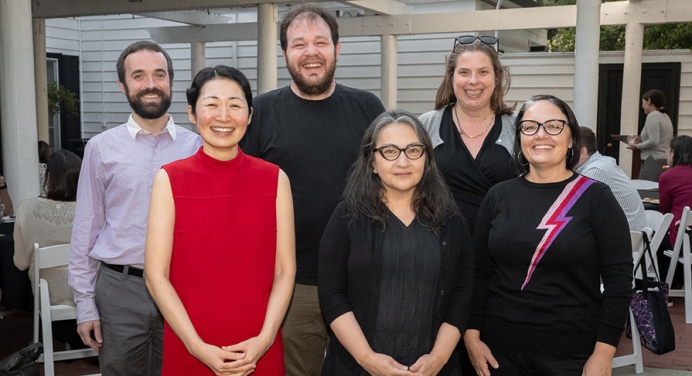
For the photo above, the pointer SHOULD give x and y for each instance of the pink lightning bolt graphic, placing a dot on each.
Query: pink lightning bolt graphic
(556, 219)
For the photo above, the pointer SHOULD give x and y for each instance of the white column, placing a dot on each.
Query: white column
(198, 54)
(267, 35)
(586, 62)
(41, 77)
(19, 136)
(389, 71)
(631, 82)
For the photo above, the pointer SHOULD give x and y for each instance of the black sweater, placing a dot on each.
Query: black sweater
(557, 304)
(350, 270)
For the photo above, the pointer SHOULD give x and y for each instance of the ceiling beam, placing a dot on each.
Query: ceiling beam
(385, 7)
(78, 8)
(612, 13)
(190, 17)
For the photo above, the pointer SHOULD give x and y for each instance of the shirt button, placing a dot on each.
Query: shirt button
(442, 292)
(445, 267)
(444, 243)
(155, 150)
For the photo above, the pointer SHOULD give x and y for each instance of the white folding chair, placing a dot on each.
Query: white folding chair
(645, 185)
(636, 356)
(50, 257)
(660, 223)
(682, 245)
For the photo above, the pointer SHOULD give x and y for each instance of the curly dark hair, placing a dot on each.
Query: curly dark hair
(364, 194)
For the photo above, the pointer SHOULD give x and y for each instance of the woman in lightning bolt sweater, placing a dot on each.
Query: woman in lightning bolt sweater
(544, 241)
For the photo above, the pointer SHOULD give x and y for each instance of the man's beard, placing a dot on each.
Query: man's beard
(309, 87)
(149, 110)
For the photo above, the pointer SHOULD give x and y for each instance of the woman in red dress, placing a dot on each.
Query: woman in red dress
(220, 250)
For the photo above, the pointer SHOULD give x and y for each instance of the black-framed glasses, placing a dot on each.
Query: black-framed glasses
(468, 39)
(391, 152)
(552, 127)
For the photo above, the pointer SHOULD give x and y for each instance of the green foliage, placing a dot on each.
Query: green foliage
(60, 99)
(656, 37)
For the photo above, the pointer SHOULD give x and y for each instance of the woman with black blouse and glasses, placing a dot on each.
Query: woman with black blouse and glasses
(396, 261)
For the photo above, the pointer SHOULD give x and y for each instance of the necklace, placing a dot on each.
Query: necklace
(463, 133)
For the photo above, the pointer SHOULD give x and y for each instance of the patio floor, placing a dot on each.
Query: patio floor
(16, 327)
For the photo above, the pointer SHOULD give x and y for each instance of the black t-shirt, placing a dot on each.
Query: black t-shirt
(315, 143)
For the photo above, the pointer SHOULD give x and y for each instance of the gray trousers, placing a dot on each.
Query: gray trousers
(131, 325)
(651, 168)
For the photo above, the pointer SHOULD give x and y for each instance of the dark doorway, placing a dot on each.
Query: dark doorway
(662, 76)
(69, 133)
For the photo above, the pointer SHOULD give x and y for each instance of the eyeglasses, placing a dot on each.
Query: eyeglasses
(468, 39)
(552, 127)
(391, 152)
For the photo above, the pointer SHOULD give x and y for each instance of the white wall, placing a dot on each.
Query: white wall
(62, 36)
(420, 71)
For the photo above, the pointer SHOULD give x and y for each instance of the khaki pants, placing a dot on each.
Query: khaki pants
(305, 333)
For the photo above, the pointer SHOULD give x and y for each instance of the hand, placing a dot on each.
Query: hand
(221, 362)
(427, 365)
(383, 365)
(598, 366)
(480, 356)
(84, 329)
(632, 146)
(253, 350)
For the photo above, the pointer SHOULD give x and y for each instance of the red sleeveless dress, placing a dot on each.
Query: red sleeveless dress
(224, 250)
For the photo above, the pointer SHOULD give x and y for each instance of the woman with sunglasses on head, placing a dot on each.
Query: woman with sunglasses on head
(544, 242)
(472, 129)
(396, 261)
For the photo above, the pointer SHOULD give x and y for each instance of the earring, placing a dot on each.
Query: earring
(570, 153)
(519, 157)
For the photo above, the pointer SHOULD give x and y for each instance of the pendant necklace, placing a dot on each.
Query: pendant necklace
(463, 133)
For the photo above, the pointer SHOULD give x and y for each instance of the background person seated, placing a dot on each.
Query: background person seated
(48, 221)
(594, 165)
(5, 198)
(675, 191)
(44, 153)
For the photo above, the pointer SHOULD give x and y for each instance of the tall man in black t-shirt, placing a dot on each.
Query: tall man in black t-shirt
(312, 129)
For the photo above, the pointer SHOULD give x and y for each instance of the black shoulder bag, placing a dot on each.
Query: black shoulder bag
(22, 362)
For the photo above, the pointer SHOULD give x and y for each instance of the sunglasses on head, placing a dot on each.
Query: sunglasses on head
(468, 39)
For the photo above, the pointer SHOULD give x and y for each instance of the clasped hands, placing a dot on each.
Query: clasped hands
(377, 364)
(235, 360)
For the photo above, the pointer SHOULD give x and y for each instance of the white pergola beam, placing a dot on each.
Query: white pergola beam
(209, 33)
(190, 17)
(613, 13)
(386, 7)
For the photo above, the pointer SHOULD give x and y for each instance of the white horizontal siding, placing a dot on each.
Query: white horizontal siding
(421, 65)
(62, 36)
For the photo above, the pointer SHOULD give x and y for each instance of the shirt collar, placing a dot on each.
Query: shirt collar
(134, 129)
(592, 159)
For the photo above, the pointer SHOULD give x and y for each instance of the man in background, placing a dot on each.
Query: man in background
(604, 169)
